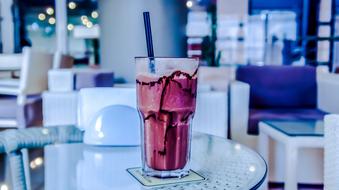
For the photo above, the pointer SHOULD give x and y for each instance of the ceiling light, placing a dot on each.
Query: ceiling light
(70, 27)
(95, 14)
(84, 17)
(84, 22)
(189, 4)
(41, 16)
(50, 11)
(51, 20)
(89, 24)
(72, 5)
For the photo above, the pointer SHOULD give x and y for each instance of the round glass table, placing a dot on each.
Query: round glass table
(225, 165)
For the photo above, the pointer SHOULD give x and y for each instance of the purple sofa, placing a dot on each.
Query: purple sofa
(280, 93)
(88, 79)
(336, 70)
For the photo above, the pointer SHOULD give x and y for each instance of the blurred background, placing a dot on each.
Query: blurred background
(93, 43)
(221, 33)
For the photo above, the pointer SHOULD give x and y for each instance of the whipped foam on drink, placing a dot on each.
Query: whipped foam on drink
(166, 105)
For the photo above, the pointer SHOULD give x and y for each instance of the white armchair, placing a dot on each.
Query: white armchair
(32, 81)
(327, 100)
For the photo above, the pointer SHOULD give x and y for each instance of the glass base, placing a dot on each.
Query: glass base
(166, 174)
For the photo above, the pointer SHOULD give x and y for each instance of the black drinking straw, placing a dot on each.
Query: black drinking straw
(149, 42)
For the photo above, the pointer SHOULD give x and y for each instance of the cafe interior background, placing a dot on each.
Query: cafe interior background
(260, 62)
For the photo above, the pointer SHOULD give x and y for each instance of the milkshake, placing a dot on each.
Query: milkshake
(166, 104)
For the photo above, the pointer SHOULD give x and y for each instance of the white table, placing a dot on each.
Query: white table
(225, 164)
(293, 135)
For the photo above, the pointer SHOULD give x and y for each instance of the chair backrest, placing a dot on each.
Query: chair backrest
(211, 113)
(34, 72)
(280, 86)
(12, 60)
(61, 61)
(92, 100)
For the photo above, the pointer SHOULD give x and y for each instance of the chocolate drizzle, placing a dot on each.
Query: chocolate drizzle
(150, 116)
(166, 116)
(167, 80)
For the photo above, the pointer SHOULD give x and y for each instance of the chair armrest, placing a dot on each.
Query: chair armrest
(239, 109)
(10, 62)
(60, 80)
(328, 92)
(29, 112)
(38, 137)
(13, 141)
(331, 153)
(211, 113)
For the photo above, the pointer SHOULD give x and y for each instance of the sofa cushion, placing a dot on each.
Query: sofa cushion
(87, 79)
(280, 86)
(257, 115)
(27, 115)
(65, 80)
(8, 107)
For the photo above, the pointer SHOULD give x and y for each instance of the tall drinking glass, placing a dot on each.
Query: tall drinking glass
(166, 96)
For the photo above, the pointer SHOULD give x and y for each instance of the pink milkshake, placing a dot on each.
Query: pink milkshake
(166, 105)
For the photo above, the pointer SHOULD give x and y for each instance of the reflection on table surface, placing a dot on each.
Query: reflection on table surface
(79, 166)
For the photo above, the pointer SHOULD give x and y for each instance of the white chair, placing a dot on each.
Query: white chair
(331, 153)
(327, 100)
(33, 81)
(123, 129)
